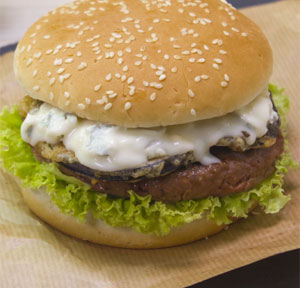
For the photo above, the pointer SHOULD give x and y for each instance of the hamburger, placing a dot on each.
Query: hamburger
(146, 124)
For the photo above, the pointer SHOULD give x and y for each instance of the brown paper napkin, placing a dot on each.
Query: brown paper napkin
(33, 254)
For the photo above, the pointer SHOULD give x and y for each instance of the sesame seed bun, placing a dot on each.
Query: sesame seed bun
(142, 65)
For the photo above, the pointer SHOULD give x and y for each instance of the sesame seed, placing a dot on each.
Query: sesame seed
(107, 106)
(192, 60)
(61, 79)
(125, 68)
(137, 63)
(156, 85)
(123, 78)
(78, 53)
(197, 78)
(97, 87)
(52, 80)
(60, 70)
(37, 55)
(66, 76)
(51, 96)
(29, 61)
(244, 34)
(174, 69)
(153, 96)
(36, 88)
(57, 61)
(120, 61)
(81, 106)
(132, 90)
(193, 112)
(127, 106)
(100, 101)
(113, 95)
(69, 60)
(49, 73)
(108, 77)
(201, 60)
(162, 77)
(82, 65)
(226, 33)
(34, 73)
(235, 29)
(153, 66)
(216, 66)
(66, 94)
(130, 80)
(46, 36)
(223, 52)
(186, 52)
(118, 75)
(205, 47)
(166, 56)
(191, 93)
(215, 41)
(224, 24)
(177, 57)
(226, 77)
(88, 101)
(218, 60)
(224, 84)
(145, 83)
(204, 77)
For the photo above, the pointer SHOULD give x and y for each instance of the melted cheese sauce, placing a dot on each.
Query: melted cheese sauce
(112, 148)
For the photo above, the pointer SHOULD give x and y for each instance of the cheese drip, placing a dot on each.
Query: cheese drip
(111, 148)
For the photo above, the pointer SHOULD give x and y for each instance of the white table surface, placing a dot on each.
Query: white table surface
(16, 16)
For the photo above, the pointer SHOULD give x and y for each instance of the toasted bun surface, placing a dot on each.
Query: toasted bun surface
(141, 64)
(99, 232)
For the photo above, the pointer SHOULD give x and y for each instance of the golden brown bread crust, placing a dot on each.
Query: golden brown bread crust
(201, 60)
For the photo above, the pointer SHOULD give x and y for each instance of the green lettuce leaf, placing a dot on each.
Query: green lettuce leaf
(76, 198)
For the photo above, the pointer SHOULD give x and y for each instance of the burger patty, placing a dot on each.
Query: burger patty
(237, 172)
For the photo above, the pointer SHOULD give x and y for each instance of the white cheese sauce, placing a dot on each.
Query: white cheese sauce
(112, 148)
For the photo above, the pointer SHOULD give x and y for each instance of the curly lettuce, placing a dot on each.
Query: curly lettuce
(76, 198)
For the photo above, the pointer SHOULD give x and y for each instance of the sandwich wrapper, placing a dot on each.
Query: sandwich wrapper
(35, 255)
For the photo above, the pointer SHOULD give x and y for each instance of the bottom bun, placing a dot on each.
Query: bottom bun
(97, 231)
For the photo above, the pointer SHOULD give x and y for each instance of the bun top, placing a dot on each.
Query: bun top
(144, 63)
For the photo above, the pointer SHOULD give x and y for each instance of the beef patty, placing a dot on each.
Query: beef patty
(237, 172)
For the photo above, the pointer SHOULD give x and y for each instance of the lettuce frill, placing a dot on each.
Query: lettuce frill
(76, 198)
